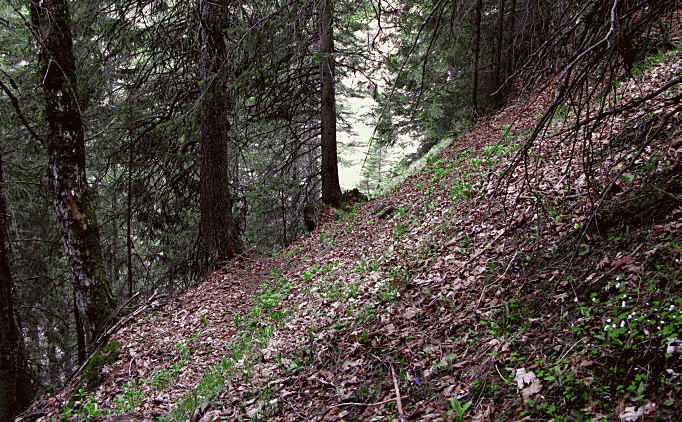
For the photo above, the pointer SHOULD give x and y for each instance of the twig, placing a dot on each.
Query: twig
(17, 108)
(498, 279)
(130, 366)
(500, 374)
(563, 355)
(294, 409)
(113, 316)
(400, 71)
(397, 396)
(477, 254)
(102, 339)
(363, 404)
(595, 45)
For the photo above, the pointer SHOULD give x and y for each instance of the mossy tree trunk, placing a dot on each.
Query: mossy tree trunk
(74, 200)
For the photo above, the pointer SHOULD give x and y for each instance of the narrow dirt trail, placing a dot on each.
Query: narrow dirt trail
(164, 353)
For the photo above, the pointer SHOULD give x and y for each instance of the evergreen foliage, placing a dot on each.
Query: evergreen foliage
(140, 89)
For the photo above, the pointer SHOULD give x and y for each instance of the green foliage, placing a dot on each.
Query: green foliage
(89, 409)
(91, 377)
(456, 409)
(253, 332)
(129, 399)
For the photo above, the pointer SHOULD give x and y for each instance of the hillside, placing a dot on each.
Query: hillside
(454, 297)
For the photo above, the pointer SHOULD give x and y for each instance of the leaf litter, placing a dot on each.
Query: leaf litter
(457, 293)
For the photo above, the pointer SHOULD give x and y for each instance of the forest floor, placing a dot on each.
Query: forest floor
(450, 298)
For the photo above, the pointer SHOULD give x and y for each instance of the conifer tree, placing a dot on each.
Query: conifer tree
(74, 200)
(219, 234)
(15, 385)
(331, 190)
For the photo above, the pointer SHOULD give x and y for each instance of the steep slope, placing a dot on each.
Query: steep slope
(454, 297)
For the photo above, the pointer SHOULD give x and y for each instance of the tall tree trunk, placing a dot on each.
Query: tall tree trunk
(129, 221)
(74, 200)
(219, 232)
(331, 190)
(498, 61)
(115, 275)
(15, 386)
(512, 43)
(477, 53)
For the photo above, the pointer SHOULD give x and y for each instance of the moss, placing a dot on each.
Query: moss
(92, 374)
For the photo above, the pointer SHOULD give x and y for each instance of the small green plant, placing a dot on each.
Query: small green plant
(89, 407)
(327, 237)
(461, 189)
(130, 399)
(160, 380)
(399, 230)
(92, 409)
(353, 290)
(457, 409)
(388, 293)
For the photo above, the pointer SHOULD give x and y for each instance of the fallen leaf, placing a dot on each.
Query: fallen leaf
(528, 383)
(632, 413)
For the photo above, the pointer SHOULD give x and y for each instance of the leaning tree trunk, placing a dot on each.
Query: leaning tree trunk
(219, 233)
(74, 200)
(331, 191)
(15, 385)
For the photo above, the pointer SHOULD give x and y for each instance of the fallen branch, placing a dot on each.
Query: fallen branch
(363, 404)
(397, 396)
(498, 279)
(477, 254)
(102, 339)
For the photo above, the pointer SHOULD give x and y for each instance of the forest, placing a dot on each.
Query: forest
(176, 244)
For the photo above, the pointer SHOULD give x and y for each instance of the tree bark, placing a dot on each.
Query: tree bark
(331, 190)
(500, 40)
(512, 31)
(15, 387)
(74, 200)
(219, 233)
(129, 221)
(477, 53)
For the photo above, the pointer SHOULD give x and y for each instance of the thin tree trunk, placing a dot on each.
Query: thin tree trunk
(283, 201)
(15, 387)
(500, 40)
(74, 200)
(129, 219)
(331, 190)
(477, 48)
(219, 232)
(512, 29)
(114, 272)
